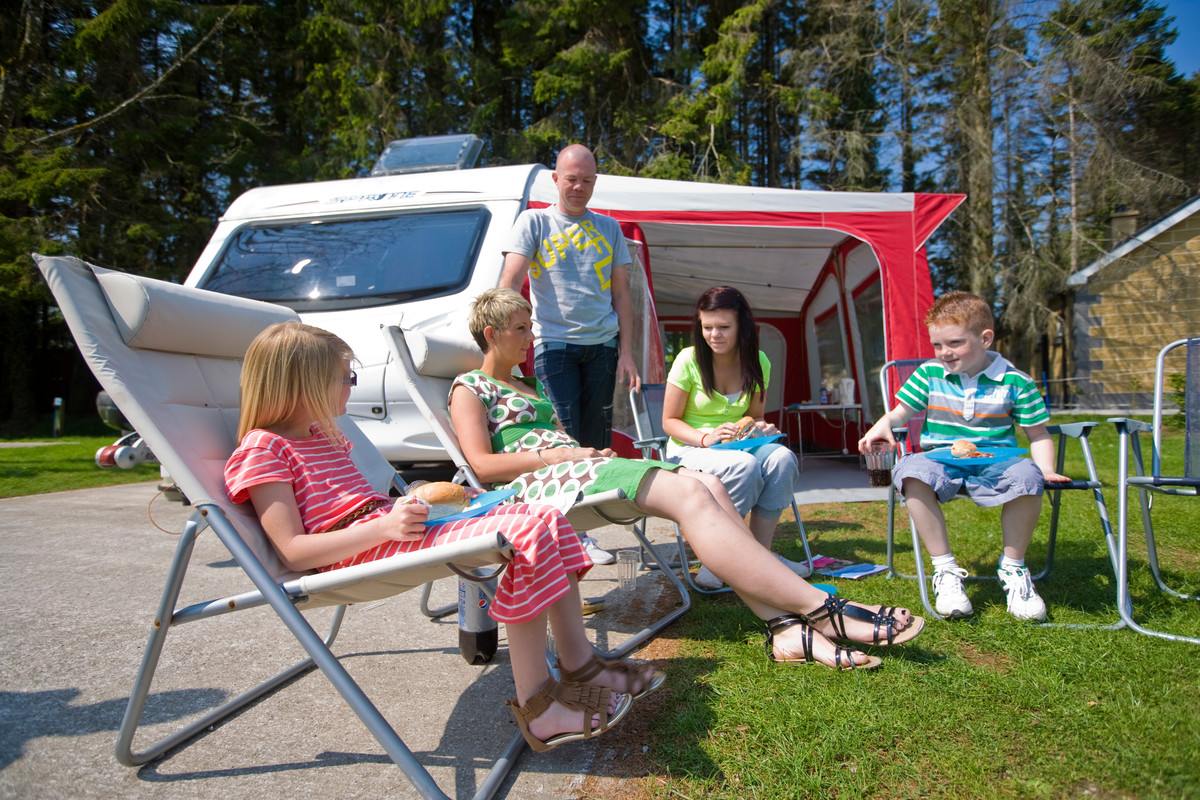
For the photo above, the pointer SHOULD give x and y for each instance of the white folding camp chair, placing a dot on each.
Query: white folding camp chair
(892, 376)
(1155, 481)
(170, 358)
(647, 406)
(429, 360)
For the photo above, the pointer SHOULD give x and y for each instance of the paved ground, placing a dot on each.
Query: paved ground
(82, 572)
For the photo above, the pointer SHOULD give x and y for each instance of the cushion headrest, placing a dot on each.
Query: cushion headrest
(440, 353)
(157, 315)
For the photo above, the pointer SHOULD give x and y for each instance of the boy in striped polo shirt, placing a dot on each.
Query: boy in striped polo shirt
(972, 393)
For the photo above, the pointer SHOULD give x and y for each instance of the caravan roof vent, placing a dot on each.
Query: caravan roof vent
(428, 154)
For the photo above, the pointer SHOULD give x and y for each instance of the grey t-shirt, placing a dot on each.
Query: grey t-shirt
(571, 260)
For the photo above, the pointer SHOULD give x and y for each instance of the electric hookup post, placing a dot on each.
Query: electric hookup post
(58, 417)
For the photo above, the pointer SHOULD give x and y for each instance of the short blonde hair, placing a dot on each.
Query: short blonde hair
(288, 365)
(494, 307)
(961, 308)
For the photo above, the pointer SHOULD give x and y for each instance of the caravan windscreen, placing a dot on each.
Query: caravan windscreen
(334, 264)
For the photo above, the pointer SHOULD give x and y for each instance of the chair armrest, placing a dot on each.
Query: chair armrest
(1080, 432)
(1124, 424)
(1072, 429)
(901, 437)
(658, 442)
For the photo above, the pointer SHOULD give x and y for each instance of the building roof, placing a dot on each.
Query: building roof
(1137, 240)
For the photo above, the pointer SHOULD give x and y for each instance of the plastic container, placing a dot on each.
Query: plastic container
(880, 457)
(478, 633)
(627, 564)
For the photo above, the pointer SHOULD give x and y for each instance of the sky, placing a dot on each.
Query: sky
(1186, 50)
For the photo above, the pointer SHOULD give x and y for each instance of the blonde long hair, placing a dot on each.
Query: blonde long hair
(287, 366)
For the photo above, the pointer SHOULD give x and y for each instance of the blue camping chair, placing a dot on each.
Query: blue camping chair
(892, 376)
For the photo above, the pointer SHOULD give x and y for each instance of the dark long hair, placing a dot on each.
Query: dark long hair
(719, 298)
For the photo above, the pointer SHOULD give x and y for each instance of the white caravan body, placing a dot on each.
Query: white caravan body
(353, 255)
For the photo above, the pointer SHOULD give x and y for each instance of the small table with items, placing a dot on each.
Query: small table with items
(797, 409)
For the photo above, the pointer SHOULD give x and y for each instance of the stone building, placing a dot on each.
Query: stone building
(1127, 305)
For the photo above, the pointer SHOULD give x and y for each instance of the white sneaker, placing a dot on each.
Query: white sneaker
(949, 598)
(705, 579)
(592, 548)
(801, 568)
(1023, 600)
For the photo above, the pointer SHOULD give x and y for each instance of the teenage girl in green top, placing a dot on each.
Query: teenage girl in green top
(720, 379)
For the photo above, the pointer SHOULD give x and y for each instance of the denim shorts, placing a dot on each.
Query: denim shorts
(992, 485)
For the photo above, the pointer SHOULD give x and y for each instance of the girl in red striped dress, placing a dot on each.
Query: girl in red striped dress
(320, 513)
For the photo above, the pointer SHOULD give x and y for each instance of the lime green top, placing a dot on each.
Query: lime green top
(706, 411)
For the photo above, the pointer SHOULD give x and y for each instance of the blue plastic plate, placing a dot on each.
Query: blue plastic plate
(995, 455)
(746, 444)
(479, 506)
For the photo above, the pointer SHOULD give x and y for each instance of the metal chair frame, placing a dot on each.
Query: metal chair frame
(170, 357)
(647, 418)
(1155, 482)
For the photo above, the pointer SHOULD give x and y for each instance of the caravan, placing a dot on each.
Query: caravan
(838, 280)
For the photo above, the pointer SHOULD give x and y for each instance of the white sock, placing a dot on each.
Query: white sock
(1006, 562)
(944, 562)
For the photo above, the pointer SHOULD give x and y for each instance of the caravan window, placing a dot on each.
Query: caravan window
(334, 264)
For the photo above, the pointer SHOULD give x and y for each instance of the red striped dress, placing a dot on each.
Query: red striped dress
(328, 486)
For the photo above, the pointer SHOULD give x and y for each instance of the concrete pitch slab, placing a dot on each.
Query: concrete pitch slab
(83, 571)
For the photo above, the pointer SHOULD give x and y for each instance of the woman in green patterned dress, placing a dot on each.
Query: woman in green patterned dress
(508, 432)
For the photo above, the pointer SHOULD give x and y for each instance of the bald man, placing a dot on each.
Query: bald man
(578, 268)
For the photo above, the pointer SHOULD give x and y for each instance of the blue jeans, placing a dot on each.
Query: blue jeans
(580, 380)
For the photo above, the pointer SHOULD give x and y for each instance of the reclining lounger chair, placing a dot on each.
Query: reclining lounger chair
(170, 357)
(429, 361)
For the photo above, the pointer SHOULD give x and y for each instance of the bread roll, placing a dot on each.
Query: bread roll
(745, 426)
(963, 449)
(443, 498)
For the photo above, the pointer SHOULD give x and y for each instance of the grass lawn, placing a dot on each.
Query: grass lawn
(982, 708)
(46, 465)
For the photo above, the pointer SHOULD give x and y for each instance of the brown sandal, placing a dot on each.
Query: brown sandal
(843, 657)
(633, 675)
(592, 700)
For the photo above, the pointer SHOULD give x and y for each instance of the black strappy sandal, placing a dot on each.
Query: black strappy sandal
(836, 609)
(843, 657)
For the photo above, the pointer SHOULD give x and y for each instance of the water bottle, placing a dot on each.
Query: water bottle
(477, 632)
(824, 395)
